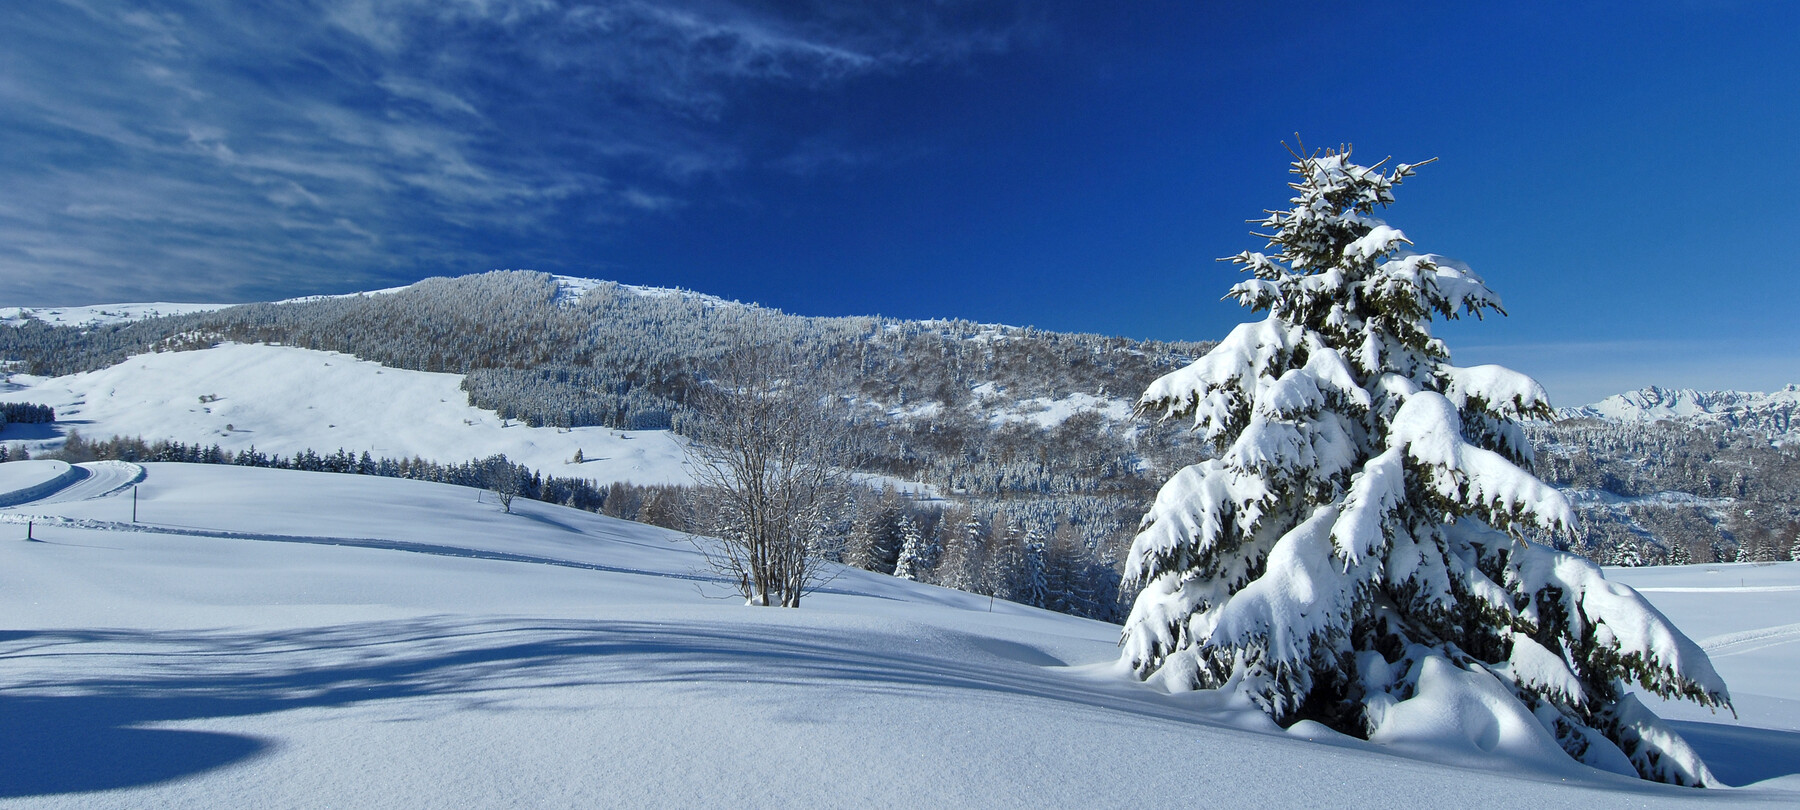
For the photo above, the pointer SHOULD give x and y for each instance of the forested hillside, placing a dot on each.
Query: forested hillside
(1675, 490)
(1025, 434)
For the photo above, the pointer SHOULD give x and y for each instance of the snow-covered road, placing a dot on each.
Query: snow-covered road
(48, 482)
(99, 479)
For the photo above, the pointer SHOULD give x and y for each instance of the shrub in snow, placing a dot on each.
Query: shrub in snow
(771, 453)
(1357, 552)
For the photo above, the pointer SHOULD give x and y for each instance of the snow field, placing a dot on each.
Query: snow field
(283, 400)
(206, 663)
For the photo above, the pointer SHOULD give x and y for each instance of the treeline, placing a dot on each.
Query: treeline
(1030, 559)
(25, 413)
(493, 472)
(565, 396)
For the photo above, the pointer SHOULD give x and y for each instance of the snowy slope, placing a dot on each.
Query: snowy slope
(107, 314)
(99, 314)
(283, 399)
(276, 638)
(569, 289)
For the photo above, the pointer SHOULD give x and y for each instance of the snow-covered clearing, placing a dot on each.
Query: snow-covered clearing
(1590, 497)
(223, 652)
(99, 314)
(283, 399)
(1048, 413)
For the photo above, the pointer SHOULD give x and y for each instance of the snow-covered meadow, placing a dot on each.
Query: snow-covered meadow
(277, 638)
(283, 399)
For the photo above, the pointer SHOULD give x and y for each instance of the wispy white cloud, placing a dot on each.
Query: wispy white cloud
(215, 150)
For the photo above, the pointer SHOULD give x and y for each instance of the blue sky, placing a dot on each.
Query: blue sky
(1622, 174)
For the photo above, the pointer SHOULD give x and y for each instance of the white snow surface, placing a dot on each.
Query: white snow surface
(284, 399)
(1047, 413)
(277, 638)
(30, 480)
(570, 289)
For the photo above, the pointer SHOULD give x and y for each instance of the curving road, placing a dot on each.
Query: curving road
(93, 479)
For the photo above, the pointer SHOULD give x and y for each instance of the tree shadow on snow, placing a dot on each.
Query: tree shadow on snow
(82, 744)
(34, 431)
(79, 726)
(538, 517)
(77, 722)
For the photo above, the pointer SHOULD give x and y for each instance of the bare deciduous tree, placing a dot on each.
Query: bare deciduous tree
(772, 455)
(502, 480)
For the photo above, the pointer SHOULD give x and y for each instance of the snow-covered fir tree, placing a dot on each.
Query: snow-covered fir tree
(1031, 582)
(964, 555)
(915, 556)
(1365, 535)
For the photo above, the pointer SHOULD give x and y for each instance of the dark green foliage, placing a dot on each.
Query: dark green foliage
(25, 413)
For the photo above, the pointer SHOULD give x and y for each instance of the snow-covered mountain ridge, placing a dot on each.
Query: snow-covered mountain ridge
(569, 291)
(1774, 412)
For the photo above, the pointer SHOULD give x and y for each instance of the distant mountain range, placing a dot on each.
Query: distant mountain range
(1771, 412)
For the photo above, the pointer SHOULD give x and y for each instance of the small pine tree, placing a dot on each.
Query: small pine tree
(1363, 532)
